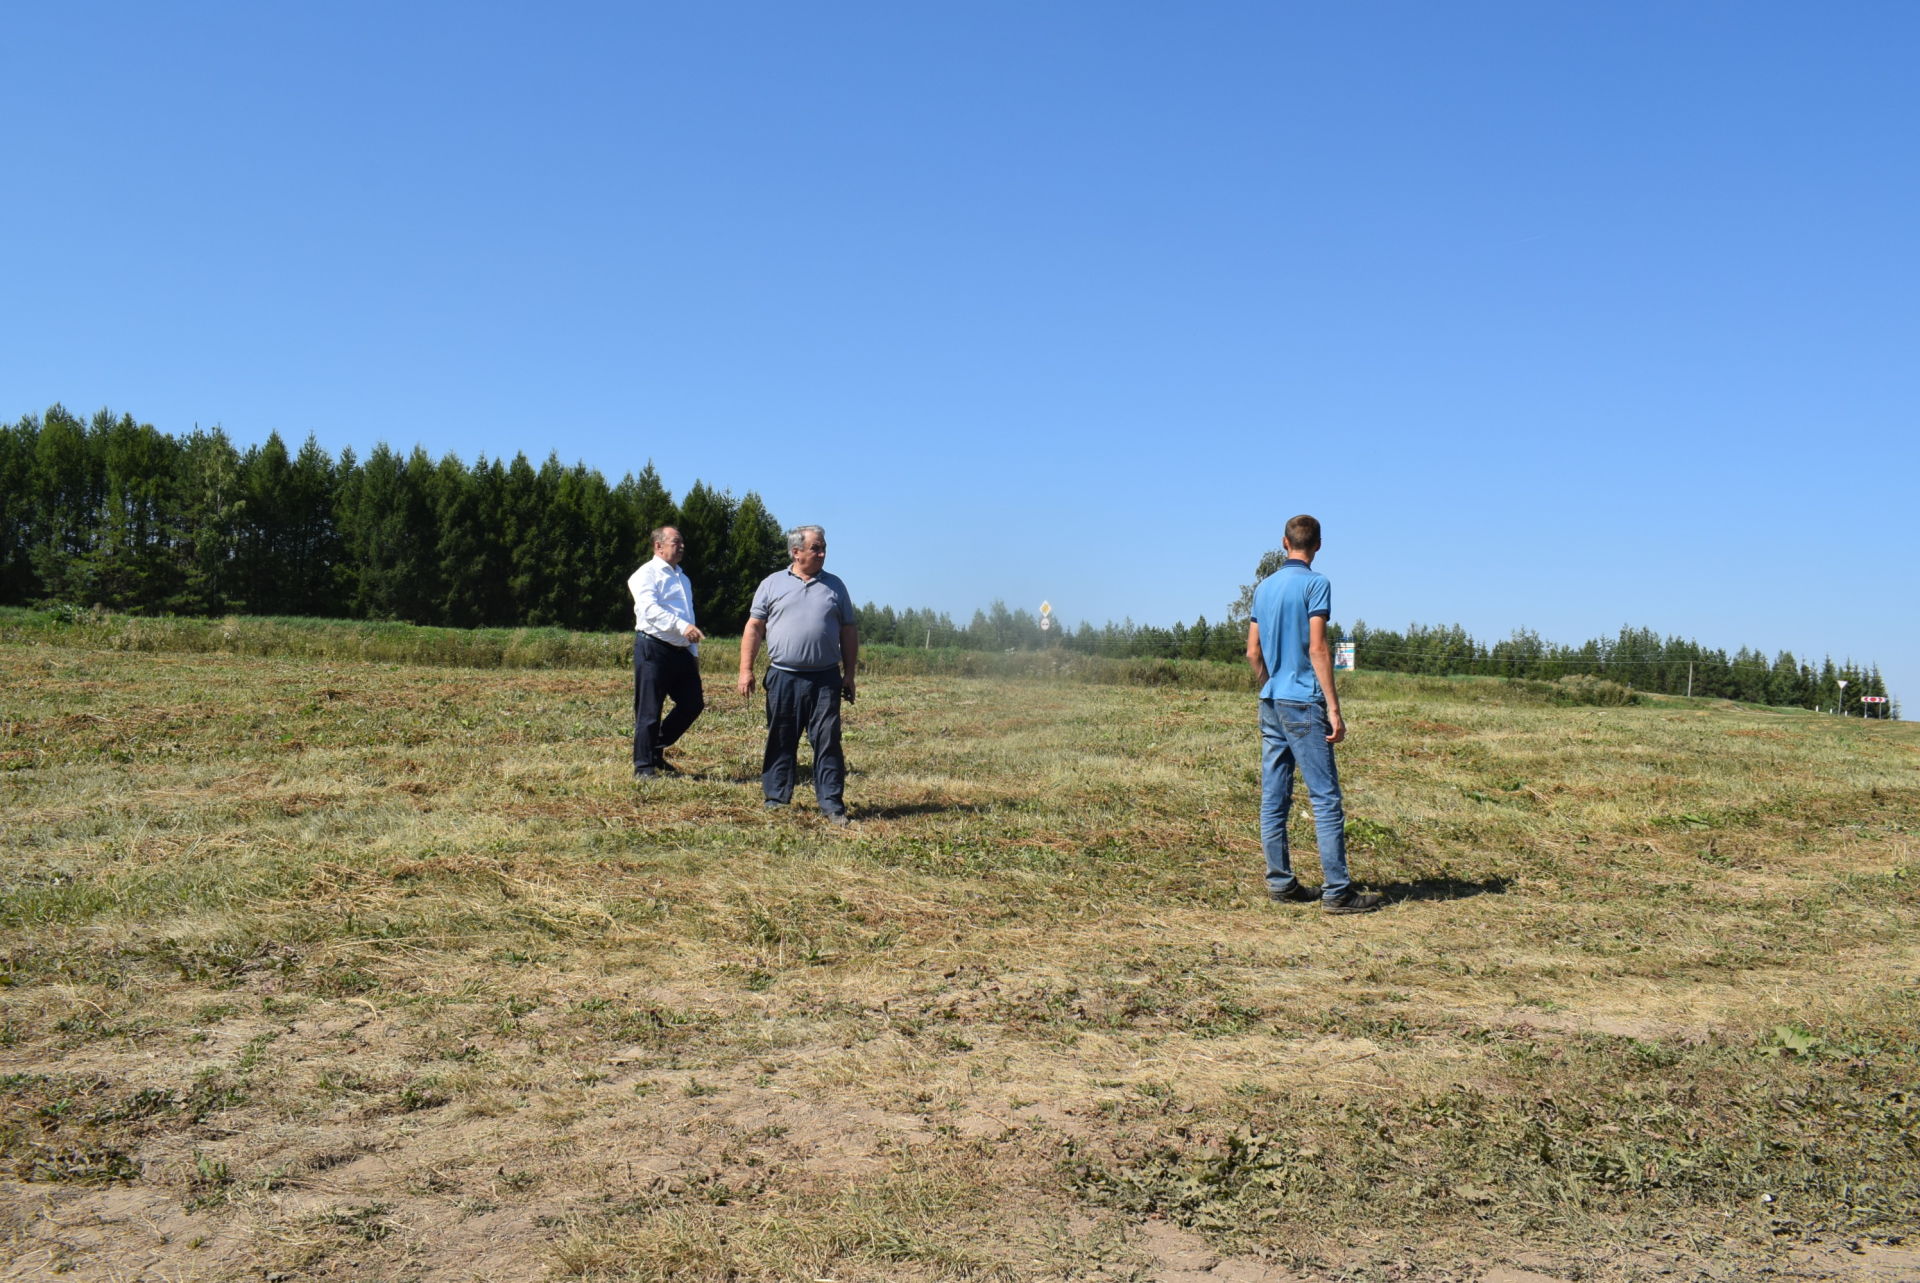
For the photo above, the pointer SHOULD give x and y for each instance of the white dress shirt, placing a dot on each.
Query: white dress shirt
(663, 603)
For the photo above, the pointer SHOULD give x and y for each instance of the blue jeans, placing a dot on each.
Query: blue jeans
(1295, 735)
(810, 702)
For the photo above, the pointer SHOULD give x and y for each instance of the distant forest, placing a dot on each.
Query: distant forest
(115, 513)
(1638, 658)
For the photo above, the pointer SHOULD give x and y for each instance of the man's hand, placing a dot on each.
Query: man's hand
(847, 689)
(1336, 726)
(750, 638)
(694, 634)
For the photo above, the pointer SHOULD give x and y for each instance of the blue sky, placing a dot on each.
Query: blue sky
(1560, 316)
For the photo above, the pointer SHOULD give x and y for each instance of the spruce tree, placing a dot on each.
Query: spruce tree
(65, 490)
(312, 545)
(18, 582)
(756, 548)
(130, 564)
(209, 502)
(706, 523)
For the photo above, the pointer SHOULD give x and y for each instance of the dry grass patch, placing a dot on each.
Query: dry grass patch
(342, 969)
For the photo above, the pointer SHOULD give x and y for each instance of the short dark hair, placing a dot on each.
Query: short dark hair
(1303, 533)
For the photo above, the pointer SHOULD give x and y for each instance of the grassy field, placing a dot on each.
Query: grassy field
(327, 967)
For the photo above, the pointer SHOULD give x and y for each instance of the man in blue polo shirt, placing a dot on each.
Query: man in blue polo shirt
(1300, 720)
(805, 616)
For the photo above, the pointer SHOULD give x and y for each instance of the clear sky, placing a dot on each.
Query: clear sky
(1561, 316)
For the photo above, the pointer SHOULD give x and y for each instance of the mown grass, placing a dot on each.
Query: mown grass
(321, 965)
(388, 641)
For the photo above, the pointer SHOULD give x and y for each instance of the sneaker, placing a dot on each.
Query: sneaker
(1351, 901)
(773, 805)
(1295, 894)
(643, 772)
(839, 819)
(665, 767)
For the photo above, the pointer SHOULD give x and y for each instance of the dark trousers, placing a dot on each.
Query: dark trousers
(661, 672)
(811, 702)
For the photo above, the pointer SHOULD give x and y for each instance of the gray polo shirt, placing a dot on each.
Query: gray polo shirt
(803, 618)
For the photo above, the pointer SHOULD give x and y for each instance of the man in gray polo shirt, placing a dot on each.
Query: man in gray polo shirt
(805, 617)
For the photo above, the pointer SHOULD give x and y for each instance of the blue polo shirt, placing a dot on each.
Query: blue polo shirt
(803, 618)
(1282, 605)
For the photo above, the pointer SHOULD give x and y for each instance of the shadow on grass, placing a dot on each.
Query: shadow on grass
(908, 809)
(686, 773)
(1442, 889)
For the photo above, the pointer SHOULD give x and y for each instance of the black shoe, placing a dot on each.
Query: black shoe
(1351, 901)
(643, 772)
(772, 805)
(665, 767)
(839, 819)
(1295, 894)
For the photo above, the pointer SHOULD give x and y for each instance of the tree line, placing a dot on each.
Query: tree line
(115, 513)
(998, 628)
(1637, 657)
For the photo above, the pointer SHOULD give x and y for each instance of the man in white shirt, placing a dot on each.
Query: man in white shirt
(665, 654)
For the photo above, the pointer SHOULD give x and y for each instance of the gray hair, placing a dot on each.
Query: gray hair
(798, 536)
